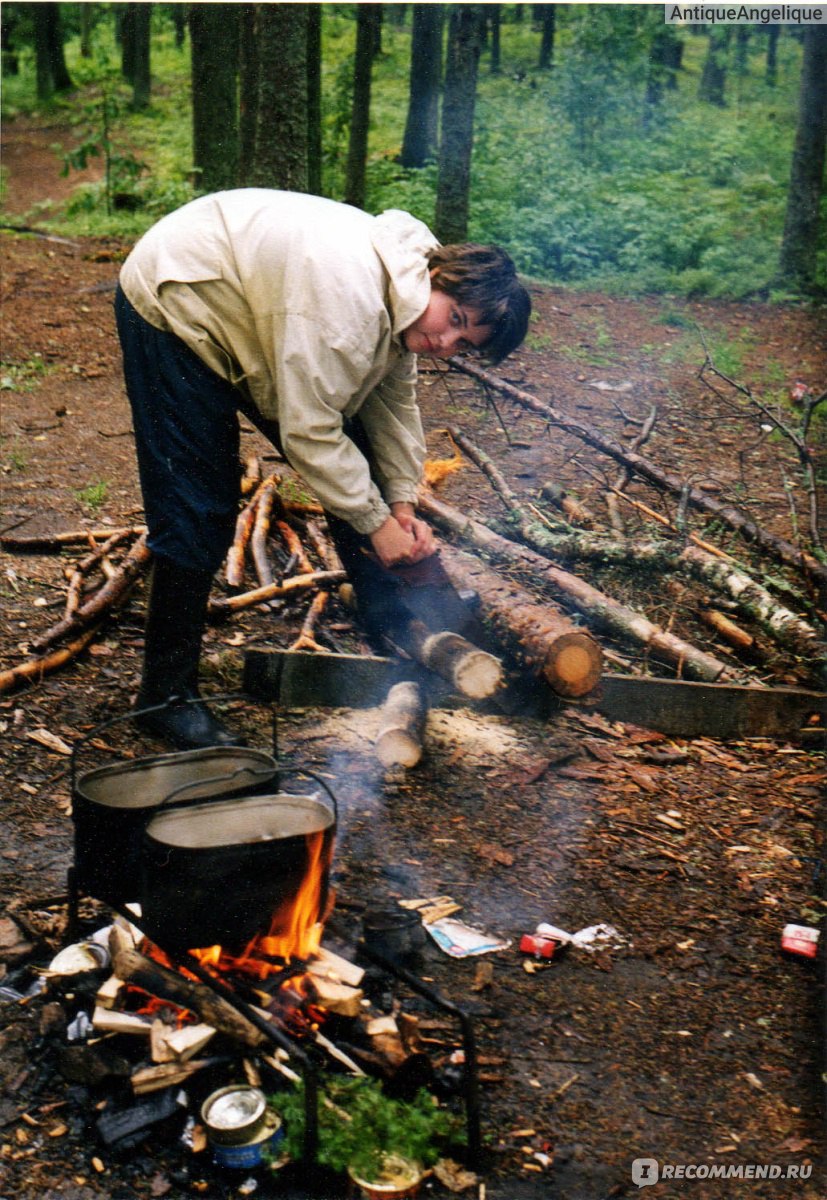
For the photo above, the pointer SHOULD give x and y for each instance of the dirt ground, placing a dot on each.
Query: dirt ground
(695, 1041)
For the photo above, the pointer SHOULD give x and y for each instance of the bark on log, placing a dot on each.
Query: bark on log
(133, 967)
(777, 547)
(569, 659)
(35, 668)
(293, 543)
(244, 524)
(601, 610)
(224, 606)
(113, 592)
(473, 672)
(399, 740)
(258, 538)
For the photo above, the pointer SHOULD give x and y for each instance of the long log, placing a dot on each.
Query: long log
(777, 547)
(36, 542)
(602, 611)
(113, 592)
(399, 740)
(133, 967)
(568, 658)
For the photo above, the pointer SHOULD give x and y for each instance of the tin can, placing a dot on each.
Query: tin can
(234, 1115)
(540, 947)
(250, 1154)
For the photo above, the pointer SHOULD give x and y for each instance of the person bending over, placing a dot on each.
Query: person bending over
(307, 316)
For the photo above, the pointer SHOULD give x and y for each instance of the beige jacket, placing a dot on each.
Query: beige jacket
(301, 301)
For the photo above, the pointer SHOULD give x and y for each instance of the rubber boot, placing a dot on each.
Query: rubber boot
(176, 615)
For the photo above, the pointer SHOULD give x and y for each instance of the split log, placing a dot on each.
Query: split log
(399, 740)
(472, 672)
(37, 668)
(39, 543)
(777, 547)
(601, 610)
(107, 597)
(226, 605)
(133, 967)
(568, 658)
(152, 1079)
(336, 997)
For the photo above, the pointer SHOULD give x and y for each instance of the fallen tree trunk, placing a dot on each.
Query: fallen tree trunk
(779, 548)
(399, 740)
(113, 592)
(601, 610)
(568, 658)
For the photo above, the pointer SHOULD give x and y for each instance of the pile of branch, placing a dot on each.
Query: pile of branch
(97, 586)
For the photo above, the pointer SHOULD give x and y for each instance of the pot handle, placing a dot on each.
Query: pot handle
(183, 787)
(296, 771)
(133, 713)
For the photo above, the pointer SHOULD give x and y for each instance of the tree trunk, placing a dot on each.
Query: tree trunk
(214, 38)
(141, 59)
(280, 156)
(798, 260)
(179, 20)
(567, 658)
(42, 15)
(713, 78)
(494, 22)
(314, 99)
(87, 12)
(419, 144)
(366, 28)
(547, 24)
(662, 64)
(602, 611)
(247, 91)
(773, 32)
(127, 40)
(742, 33)
(60, 73)
(459, 98)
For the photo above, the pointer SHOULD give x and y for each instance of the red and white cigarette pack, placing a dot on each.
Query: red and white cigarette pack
(800, 939)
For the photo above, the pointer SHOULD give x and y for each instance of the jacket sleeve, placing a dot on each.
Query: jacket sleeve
(393, 424)
(315, 380)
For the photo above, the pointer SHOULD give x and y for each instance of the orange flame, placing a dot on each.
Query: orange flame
(295, 929)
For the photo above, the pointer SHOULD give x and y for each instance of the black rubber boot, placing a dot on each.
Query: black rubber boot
(176, 615)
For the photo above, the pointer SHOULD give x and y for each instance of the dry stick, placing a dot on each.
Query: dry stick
(306, 640)
(36, 668)
(105, 598)
(329, 556)
(252, 475)
(76, 577)
(779, 548)
(399, 740)
(243, 529)
(76, 537)
(258, 538)
(293, 543)
(727, 629)
(601, 610)
(224, 606)
(624, 475)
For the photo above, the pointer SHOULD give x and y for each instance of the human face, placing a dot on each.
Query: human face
(445, 328)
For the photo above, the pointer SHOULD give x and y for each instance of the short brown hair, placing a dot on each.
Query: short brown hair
(485, 278)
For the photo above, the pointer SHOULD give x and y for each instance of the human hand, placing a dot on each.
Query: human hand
(393, 543)
(425, 542)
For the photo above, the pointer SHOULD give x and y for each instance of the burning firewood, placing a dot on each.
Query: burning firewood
(399, 740)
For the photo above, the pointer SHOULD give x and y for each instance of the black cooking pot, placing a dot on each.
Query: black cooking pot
(111, 806)
(221, 871)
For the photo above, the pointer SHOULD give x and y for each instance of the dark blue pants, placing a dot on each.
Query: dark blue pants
(187, 442)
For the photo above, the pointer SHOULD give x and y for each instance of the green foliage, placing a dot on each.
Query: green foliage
(22, 376)
(94, 496)
(359, 1125)
(584, 182)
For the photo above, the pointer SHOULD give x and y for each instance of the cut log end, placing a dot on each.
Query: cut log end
(399, 740)
(573, 665)
(473, 672)
(479, 675)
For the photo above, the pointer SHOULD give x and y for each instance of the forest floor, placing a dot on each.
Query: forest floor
(696, 1041)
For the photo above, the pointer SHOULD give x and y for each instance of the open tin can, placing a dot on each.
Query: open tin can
(240, 1127)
